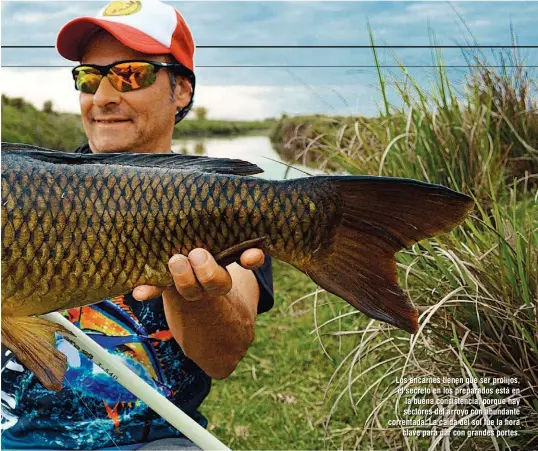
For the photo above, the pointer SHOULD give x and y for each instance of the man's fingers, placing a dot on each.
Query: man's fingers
(197, 276)
(145, 292)
(184, 278)
(214, 279)
(252, 258)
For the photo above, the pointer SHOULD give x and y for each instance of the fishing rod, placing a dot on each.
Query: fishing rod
(115, 368)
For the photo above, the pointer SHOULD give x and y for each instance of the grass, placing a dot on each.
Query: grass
(275, 398)
(488, 133)
(476, 291)
(301, 138)
(475, 288)
(23, 123)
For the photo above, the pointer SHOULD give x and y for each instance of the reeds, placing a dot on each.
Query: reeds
(475, 288)
(474, 140)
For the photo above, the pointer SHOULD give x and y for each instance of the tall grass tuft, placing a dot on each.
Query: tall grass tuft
(475, 288)
(487, 134)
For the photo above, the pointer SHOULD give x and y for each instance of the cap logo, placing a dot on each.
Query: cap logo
(122, 8)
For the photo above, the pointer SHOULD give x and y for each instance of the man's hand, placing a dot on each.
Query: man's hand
(210, 310)
(199, 276)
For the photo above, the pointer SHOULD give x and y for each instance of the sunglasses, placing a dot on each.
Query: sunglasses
(124, 76)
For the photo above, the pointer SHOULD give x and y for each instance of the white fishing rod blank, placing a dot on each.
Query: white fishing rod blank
(113, 366)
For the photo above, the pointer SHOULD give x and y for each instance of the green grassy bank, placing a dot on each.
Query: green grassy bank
(218, 128)
(299, 138)
(276, 397)
(476, 288)
(24, 123)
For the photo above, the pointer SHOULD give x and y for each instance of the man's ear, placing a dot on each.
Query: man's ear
(183, 92)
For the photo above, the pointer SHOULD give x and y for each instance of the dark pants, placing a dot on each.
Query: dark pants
(167, 444)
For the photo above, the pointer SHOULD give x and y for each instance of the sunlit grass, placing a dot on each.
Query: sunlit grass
(276, 397)
(475, 288)
(474, 139)
(476, 291)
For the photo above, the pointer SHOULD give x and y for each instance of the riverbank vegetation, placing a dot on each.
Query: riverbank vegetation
(194, 128)
(475, 288)
(22, 122)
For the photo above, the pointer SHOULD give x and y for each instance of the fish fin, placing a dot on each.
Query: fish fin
(157, 160)
(32, 341)
(233, 254)
(377, 217)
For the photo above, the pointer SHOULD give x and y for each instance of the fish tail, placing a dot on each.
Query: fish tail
(33, 340)
(375, 218)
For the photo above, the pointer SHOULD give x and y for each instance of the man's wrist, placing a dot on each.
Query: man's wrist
(201, 306)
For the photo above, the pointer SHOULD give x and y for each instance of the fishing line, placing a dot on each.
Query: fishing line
(312, 91)
(92, 414)
(324, 101)
(321, 99)
(289, 166)
(333, 125)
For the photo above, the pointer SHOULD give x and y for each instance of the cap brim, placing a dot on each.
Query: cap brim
(73, 37)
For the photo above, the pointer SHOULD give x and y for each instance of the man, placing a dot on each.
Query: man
(178, 338)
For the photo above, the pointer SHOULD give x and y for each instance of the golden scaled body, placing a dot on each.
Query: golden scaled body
(77, 229)
(77, 234)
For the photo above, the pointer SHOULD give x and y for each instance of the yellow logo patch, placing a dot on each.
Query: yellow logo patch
(122, 8)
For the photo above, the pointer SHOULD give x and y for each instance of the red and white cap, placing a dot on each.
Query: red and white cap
(148, 26)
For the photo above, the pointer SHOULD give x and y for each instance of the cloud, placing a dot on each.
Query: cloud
(416, 14)
(260, 102)
(479, 23)
(247, 92)
(38, 22)
(287, 23)
(40, 85)
(241, 102)
(39, 17)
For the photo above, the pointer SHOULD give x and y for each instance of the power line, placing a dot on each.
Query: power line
(465, 66)
(322, 46)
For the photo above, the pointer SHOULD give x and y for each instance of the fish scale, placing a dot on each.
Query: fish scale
(77, 229)
(94, 208)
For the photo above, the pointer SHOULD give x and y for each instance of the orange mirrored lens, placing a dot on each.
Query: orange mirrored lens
(87, 79)
(130, 76)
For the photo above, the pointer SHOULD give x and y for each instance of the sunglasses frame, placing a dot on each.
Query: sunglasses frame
(178, 68)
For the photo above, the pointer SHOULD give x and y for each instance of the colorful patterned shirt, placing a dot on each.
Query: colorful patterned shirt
(94, 411)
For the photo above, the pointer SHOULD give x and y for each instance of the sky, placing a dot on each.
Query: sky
(234, 92)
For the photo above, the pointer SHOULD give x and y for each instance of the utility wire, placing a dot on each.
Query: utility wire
(465, 66)
(322, 46)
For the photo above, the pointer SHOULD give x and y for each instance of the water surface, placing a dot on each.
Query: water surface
(256, 149)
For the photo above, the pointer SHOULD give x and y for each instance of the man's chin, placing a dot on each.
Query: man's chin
(110, 147)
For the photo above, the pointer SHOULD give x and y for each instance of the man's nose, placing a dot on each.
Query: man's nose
(106, 94)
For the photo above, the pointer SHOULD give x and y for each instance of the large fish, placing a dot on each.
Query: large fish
(77, 229)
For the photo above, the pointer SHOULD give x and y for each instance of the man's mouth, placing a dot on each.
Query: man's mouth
(111, 120)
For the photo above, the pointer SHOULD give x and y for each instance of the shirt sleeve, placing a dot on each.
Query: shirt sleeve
(83, 148)
(264, 276)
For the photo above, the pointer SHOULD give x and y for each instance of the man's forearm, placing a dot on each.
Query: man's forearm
(216, 333)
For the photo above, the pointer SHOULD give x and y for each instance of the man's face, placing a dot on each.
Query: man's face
(136, 121)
